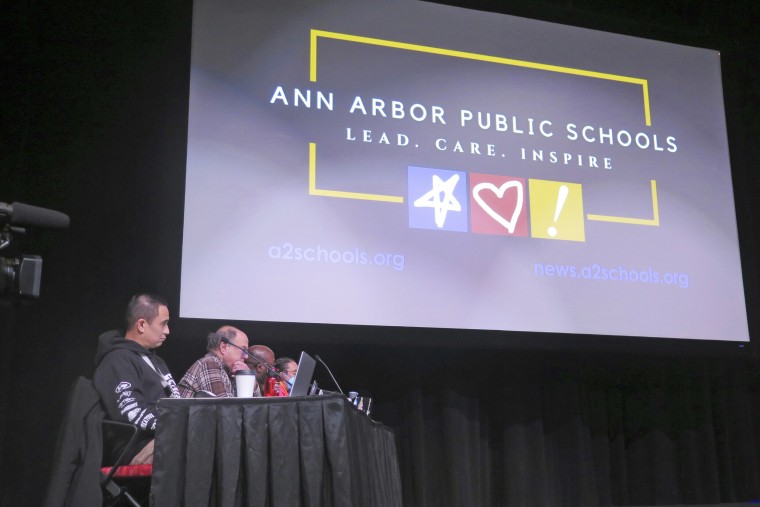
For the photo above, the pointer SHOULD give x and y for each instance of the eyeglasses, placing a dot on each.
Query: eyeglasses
(241, 349)
(261, 362)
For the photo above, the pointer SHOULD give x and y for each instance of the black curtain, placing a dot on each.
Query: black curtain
(619, 432)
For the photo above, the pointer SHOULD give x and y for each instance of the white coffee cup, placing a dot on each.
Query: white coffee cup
(245, 383)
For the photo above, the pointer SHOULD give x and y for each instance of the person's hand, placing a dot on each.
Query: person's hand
(239, 365)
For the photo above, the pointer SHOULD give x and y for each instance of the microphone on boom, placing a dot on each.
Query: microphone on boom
(331, 375)
(272, 372)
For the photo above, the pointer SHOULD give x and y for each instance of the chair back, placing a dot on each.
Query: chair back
(75, 476)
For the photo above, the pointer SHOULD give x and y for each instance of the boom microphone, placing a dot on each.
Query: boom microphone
(331, 375)
(22, 214)
(272, 372)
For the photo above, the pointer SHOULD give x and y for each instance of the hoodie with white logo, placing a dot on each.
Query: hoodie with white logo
(128, 386)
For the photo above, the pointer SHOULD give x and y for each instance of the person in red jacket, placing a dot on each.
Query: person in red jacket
(260, 359)
(280, 381)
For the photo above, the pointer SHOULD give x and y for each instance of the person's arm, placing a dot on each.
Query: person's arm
(214, 379)
(122, 390)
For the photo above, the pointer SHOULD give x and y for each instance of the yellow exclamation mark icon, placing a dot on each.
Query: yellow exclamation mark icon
(556, 210)
(561, 198)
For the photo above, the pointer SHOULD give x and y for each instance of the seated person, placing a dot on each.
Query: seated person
(277, 382)
(260, 360)
(287, 368)
(227, 349)
(130, 378)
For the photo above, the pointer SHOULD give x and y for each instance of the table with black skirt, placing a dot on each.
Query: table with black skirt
(289, 452)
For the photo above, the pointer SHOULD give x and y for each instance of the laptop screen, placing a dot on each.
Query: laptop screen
(306, 365)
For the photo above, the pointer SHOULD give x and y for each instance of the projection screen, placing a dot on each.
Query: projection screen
(418, 165)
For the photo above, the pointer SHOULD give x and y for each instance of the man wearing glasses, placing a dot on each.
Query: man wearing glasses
(213, 373)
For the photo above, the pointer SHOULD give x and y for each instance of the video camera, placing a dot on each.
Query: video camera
(21, 275)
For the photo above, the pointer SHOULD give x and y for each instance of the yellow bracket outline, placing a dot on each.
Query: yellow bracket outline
(315, 34)
(654, 221)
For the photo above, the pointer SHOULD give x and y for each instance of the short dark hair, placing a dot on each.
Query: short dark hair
(215, 338)
(143, 306)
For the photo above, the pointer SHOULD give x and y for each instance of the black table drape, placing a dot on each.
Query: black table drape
(310, 451)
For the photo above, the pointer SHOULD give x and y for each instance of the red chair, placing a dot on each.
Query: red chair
(121, 481)
(86, 442)
(127, 471)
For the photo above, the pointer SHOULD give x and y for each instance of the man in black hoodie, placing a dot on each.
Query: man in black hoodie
(129, 377)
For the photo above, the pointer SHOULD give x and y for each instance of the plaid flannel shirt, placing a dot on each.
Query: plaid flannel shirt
(208, 373)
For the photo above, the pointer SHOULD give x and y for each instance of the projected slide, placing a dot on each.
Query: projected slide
(411, 164)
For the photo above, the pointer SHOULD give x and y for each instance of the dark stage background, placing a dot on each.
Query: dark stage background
(94, 119)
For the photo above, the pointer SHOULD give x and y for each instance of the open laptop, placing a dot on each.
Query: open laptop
(306, 365)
